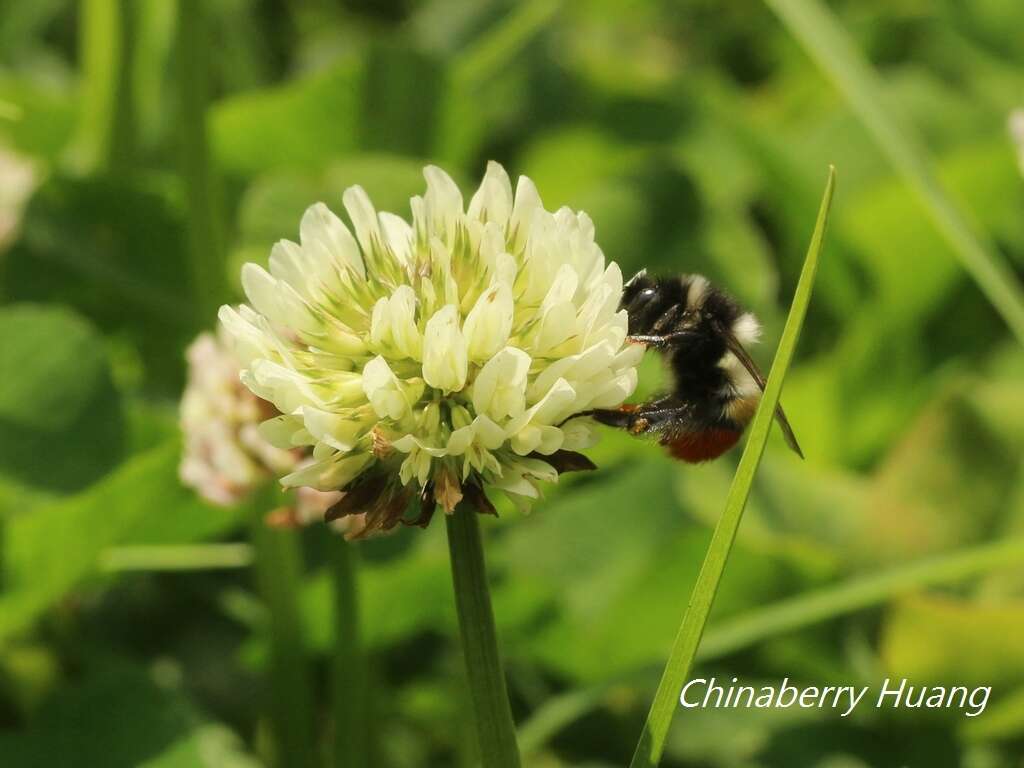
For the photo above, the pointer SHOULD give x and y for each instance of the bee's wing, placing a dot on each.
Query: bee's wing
(780, 415)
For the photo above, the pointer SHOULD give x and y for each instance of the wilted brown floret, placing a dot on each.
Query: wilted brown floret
(476, 496)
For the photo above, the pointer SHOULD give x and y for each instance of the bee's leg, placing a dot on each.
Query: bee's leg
(611, 417)
(652, 416)
(657, 419)
(658, 341)
(667, 320)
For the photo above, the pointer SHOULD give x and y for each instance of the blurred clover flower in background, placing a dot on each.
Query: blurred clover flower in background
(435, 359)
(1016, 126)
(18, 180)
(225, 457)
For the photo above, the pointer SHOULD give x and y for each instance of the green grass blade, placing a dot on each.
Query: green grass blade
(492, 52)
(176, 557)
(476, 66)
(856, 594)
(557, 713)
(824, 38)
(652, 740)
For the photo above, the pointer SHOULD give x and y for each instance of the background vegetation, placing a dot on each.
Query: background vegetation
(697, 135)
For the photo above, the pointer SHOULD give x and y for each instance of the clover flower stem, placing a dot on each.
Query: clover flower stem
(488, 694)
(289, 696)
(349, 692)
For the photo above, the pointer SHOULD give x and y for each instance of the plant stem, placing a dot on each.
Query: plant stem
(488, 694)
(289, 696)
(350, 693)
(206, 243)
(652, 740)
(107, 131)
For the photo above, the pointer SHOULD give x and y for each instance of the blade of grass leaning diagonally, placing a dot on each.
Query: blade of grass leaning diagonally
(684, 650)
(856, 594)
(177, 557)
(828, 44)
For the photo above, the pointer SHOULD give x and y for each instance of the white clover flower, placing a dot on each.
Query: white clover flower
(435, 358)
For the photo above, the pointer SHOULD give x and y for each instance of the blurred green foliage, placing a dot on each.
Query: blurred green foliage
(696, 134)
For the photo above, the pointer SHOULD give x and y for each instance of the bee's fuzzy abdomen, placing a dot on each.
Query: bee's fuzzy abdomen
(705, 445)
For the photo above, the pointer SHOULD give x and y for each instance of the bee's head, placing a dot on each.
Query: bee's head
(687, 305)
(645, 300)
(639, 290)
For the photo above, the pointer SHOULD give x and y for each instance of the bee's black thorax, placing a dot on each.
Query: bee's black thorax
(696, 375)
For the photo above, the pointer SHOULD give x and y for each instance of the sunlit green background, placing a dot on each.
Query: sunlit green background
(697, 135)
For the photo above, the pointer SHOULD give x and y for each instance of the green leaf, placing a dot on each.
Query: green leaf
(61, 422)
(113, 250)
(22, 22)
(911, 265)
(43, 115)
(273, 204)
(598, 607)
(121, 718)
(784, 617)
(401, 90)
(944, 484)
(818, 30)
(936, 639)
(652, 740)
(302, 124)
(1004, 719)
(50, 549)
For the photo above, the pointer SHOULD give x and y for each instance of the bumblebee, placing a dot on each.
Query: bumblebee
(716, 386)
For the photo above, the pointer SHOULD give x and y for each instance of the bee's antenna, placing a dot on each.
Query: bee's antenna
(641, 274)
